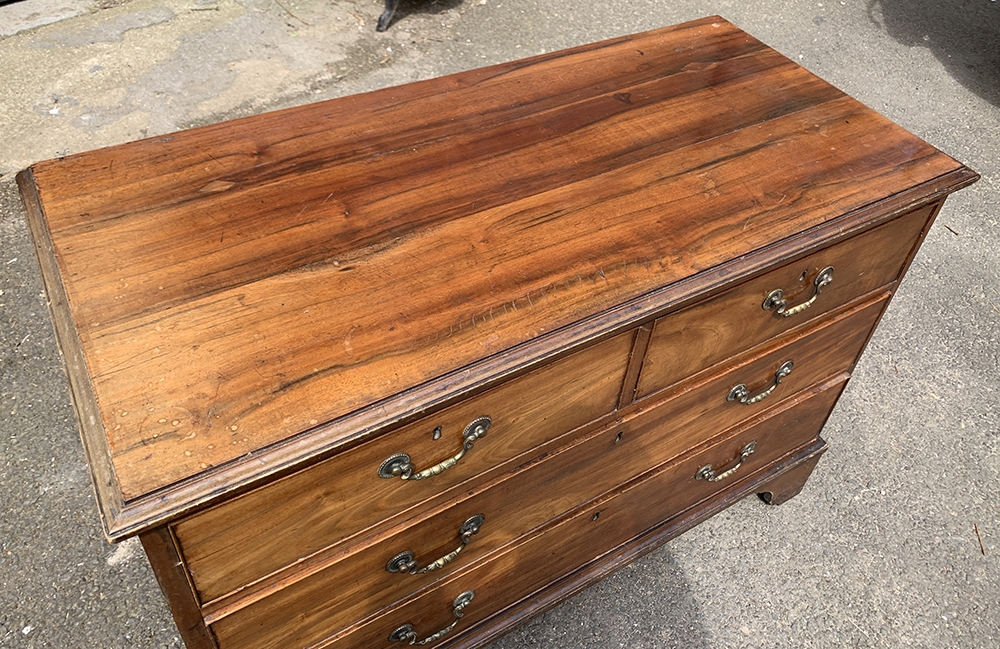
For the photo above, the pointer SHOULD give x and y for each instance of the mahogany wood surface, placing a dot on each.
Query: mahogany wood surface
(542, 557)
(248, 297)
(815, 352)
(242, 541)
(515, 505)
(269, 528)
(685, 342)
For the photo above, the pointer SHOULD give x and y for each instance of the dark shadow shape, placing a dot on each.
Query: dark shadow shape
(395, 9)
(650, 597)
(964, 35)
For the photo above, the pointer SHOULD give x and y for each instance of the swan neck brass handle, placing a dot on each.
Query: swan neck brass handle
(775, 300)
(708, 473)
(741, 392)
(406, 563)
(405, 632)
(401, 466)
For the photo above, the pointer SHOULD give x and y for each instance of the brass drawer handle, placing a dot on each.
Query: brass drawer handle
(742, 394)
(405, 633)
(775, 300)
(708, 473)
(400, 465)
(406, 563)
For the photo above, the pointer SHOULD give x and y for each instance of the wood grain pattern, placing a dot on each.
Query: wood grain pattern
(255, 315)
(121, 180)
(518, 505)
(85, 407)
(241, 541)
(314, 344)
(690, 340)
(326, 210)
(248, 296)
(269, 281)
(540, 559)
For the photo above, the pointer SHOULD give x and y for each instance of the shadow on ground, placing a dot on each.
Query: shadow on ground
(964, 35)
(410, 7)
(650, 603)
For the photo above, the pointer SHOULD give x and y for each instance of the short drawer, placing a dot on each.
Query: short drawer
(699, 336)
(544, 557)
(695, 412)
(240, 541)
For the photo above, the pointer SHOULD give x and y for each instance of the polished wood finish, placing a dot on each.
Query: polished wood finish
(702, 335)
(256, 315)
(267, 529)
(337, 265)
(526, 501)
(546, 557)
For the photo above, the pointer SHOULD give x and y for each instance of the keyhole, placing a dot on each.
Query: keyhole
(595, 516)
(805, 274)
(437, 433)
(619, 436)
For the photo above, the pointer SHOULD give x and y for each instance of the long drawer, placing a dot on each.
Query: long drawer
(532, 496)
(245, 539)
(699, 336)
(545, 556)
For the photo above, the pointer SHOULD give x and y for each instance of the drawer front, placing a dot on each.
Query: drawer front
(523, 501)
(699, 336)
(535, 494)
(693, 413)
(500, 581)
(266, 529)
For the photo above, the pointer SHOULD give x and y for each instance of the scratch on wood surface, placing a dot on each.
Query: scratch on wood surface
(127, 361)
(216, 186)
(756, 202)
(348, 347)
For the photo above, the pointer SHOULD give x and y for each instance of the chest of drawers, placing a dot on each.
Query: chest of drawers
(412, 366)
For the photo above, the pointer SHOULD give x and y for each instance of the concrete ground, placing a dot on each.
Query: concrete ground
(894, 542)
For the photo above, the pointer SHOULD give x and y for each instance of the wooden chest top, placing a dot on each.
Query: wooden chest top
(240, 299)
